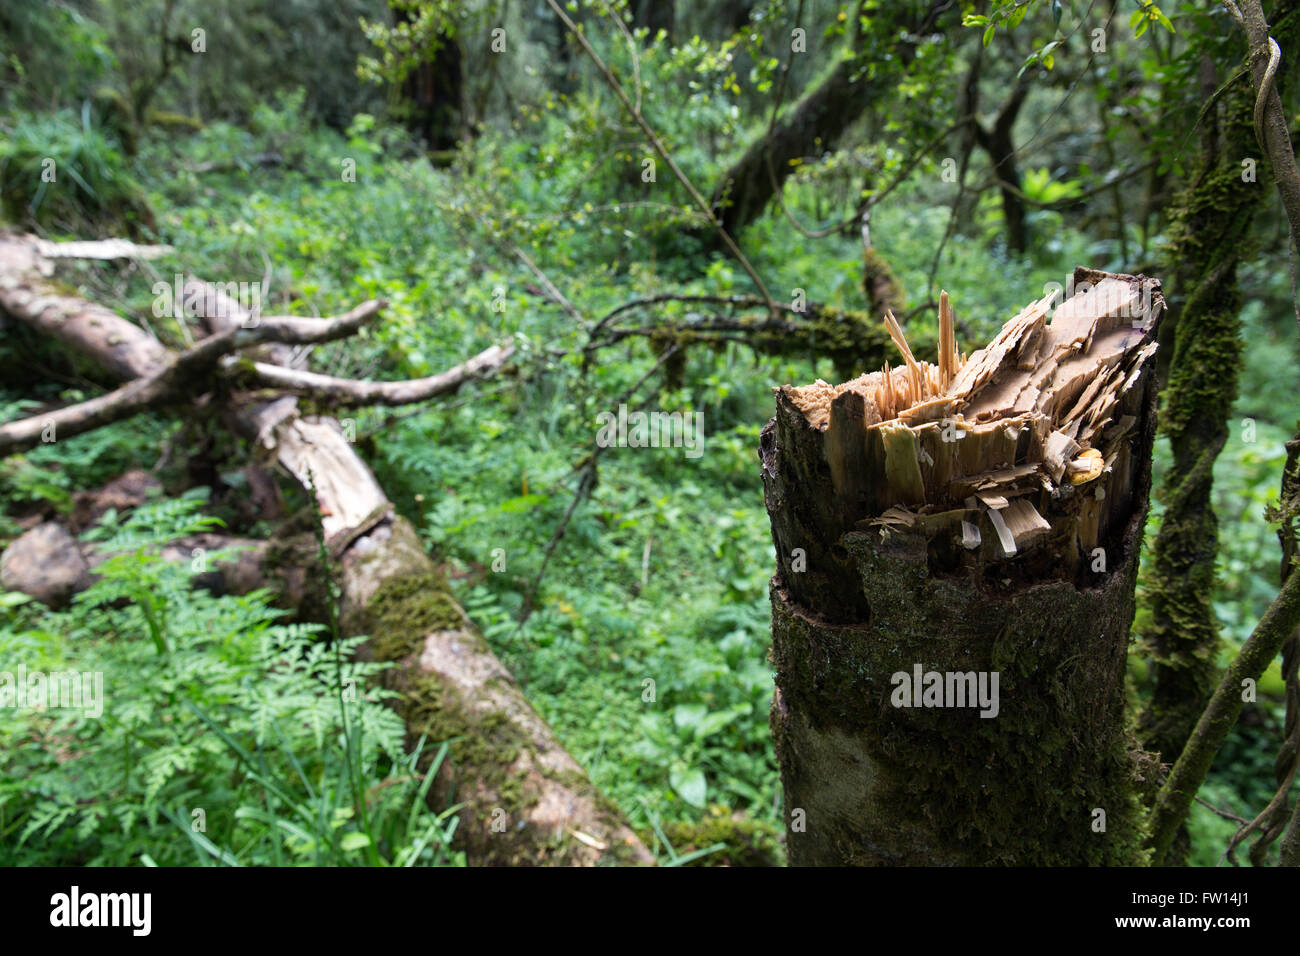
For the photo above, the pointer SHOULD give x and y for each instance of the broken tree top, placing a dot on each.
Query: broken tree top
(1027, 436)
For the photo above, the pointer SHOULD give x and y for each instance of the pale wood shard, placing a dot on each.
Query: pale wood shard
(1005, 538)
(846, 446)
(947, 342)
(987, 362)
(902, 464)
(815, 400)
(1023, 431)
(1059, 448)
(932, 410)
(895, 517)
(1024, 522)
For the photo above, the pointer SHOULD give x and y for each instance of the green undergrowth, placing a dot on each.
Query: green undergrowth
(204, 732)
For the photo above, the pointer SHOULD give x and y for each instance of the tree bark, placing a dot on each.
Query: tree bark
(896, 559)
(997, 142)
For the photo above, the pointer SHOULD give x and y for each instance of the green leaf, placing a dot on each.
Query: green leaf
(690, 785)
(354, 841)
(714, 722)
(988, 34)
(689, 716)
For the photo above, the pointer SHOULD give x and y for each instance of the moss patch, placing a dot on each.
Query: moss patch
(406, 608)
(748, 842)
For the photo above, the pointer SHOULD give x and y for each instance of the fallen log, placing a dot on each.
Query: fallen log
(527, 801)
(957, 548)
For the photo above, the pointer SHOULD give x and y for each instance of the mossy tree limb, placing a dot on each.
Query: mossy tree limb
(1175, 797)
(527, 801)
(817, 121)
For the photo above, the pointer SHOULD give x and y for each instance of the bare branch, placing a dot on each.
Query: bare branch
(347, 392)
(180, 375)
(297, 330)
(1271, 127)
(104, 249)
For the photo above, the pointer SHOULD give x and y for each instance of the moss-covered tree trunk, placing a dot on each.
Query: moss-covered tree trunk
(986, 560)
(526, 800)
(1210, 232)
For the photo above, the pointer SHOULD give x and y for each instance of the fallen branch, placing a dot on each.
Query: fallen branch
(346, 392)
(505, 763)
(177, 377)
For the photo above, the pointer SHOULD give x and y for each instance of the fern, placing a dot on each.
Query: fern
(213, 704)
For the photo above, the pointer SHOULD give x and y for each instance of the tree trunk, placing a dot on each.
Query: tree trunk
(997, 142)
(435, 92)
(817, 121)
(1003, 561)
(527, 801)
(1209, 229)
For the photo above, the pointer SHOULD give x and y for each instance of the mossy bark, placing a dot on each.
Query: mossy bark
(816, 122)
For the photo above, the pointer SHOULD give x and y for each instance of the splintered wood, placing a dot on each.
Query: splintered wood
(1023, 439)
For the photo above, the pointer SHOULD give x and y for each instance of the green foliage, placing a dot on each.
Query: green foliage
(61, 171)
(49, 474)
(218, 735)
(51, 55)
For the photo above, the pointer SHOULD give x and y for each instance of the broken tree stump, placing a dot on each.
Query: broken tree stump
(957, 547)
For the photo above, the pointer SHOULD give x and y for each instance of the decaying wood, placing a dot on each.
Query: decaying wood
(120, 347)
(505, 763)
(1040, 412)
(975, 515)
